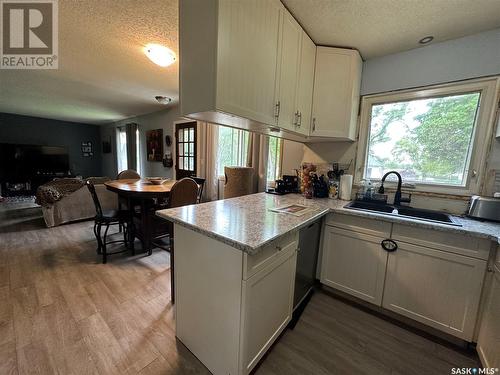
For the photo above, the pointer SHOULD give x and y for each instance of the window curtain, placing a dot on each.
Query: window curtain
(258, 153)
(208, 135)
(131, 131)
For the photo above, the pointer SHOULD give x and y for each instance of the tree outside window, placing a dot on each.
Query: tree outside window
(426, 140)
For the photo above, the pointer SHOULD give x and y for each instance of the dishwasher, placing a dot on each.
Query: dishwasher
(307, 261)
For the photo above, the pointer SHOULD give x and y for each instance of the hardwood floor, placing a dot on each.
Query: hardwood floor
(63, 312)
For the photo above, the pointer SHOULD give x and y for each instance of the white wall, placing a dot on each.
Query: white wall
(157, 120)
(469, 57)
(292, 157)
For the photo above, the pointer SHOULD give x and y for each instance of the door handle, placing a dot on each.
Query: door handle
(277, 109)
(314, 123)
(389, 245)
(299, 114)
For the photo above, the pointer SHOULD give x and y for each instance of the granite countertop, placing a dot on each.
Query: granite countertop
(247, 224)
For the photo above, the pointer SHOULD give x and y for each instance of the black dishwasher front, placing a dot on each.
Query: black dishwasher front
(307, 260)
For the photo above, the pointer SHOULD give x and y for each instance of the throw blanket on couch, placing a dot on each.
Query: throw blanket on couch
(53, 191)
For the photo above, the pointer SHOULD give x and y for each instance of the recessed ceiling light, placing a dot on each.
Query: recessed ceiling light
(159, 54)
(163, 99)
(426, 39)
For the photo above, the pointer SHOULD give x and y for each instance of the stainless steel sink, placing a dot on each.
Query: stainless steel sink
(414, 213)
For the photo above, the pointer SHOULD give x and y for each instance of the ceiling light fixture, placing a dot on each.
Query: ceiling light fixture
(163, 99)
(159, 54)
(426, 39)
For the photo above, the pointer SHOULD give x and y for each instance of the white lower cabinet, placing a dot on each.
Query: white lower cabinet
(434, 287)
(267, 309)
(441, 289)
(354, 263)
(488, 343)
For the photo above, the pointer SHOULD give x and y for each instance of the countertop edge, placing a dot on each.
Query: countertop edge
(244, 247)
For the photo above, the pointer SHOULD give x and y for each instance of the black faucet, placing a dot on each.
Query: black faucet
(397, 195)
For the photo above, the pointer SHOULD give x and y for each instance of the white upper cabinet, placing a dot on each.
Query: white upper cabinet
(247, 58)
(248, 64)
(288, 71)
(305, 85)
(228, 60)
(336, 93)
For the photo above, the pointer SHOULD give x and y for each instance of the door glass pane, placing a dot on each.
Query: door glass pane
(181, 135)
(191, 149)
(191, 135)
(181, 162)
(186, 149)
(191, 164)
(186, 135)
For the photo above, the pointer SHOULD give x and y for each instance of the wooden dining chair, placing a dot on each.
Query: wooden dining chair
(183, 193)
(201, 183)
(106, 218)
(128, 174)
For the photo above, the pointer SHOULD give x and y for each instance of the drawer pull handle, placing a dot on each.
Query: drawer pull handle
(279, 248)
(389, 245)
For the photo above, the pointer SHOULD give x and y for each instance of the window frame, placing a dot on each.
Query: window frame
(483, 131)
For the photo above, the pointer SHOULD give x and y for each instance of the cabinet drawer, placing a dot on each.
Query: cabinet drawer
(360, 224)
(279, 247)
(446, 241)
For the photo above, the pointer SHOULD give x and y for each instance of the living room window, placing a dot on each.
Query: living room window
(121, 148)
(436, 138)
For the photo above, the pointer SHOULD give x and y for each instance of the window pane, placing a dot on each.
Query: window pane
(121, 141)
(191, 164)
(232, 148)
(426, 140)
(191, 135)
(186, 149)
(181, 135)
(181, 163)
(186, 135)
(273, 161)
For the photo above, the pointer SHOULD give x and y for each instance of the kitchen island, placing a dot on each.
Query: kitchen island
(235, 268)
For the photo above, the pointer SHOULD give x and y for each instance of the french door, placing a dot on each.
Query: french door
(185, 150)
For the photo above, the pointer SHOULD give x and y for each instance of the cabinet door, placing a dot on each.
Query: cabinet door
(488, 343)
(305, 84)
(288, 71)
(336, 93)
(247, 58)
(354, 263)
(434, 287)
(267, 308)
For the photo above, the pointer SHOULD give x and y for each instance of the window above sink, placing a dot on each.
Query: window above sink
(437, 137)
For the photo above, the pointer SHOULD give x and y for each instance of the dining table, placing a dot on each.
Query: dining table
(143, 193)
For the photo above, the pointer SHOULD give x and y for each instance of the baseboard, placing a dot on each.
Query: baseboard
(482, 357)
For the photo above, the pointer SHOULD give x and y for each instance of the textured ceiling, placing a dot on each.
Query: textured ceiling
(103, 73)
(104, 76)
(382, 27)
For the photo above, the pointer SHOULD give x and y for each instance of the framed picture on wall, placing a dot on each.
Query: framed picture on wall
(87, 150)
(154, 145)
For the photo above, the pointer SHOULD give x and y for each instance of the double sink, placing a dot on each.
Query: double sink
(408, 212)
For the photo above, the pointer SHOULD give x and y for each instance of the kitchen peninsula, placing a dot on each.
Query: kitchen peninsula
(235, 269)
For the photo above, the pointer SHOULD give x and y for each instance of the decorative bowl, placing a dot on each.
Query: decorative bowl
(157, 180)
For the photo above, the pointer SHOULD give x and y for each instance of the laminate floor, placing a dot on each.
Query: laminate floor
(63, 312)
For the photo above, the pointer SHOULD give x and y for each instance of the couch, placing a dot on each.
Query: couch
(78, 205)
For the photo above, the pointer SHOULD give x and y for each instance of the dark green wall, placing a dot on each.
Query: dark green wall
(41, 131)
